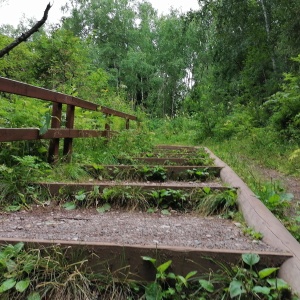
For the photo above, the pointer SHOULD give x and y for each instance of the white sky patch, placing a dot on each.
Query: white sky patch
(13, 11)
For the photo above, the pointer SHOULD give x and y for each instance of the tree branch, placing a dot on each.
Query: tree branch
(27, 34)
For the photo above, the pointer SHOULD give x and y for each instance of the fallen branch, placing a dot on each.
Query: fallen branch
(27, 34)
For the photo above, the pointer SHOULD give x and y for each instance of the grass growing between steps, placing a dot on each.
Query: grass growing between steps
(204, 201)
(57, 272)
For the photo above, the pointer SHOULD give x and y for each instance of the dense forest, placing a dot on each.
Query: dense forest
(226, 76)
(230, 69)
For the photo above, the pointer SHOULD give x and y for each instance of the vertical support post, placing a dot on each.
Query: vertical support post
(68, 142)
(127, 123)
(107, 128)
(53, 152)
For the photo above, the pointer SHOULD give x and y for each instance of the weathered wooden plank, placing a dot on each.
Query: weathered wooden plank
(71, 133)
(116, 113)
(55, 187)
(129, 257)
(23, 89)
(20, 134)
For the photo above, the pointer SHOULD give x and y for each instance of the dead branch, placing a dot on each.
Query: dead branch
(27, 34)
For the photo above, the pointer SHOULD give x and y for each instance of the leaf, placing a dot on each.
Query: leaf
(18, 247)
(165, 193)
(11, 266)
(150, 210)
(190, 274)
(236, 288)
(163, 267)
(22, 285)
(206, 190)
(165, 212)
(182, 279)
(13, 208)
(250, 259)
(208, 286)
(153, 292)
(274, 199)
(104, 208)
(287, 196)
(278, 283)
(34, 296)
(148, 258)
(45, 123)
(80, 197)
(7, 285)
(171, 275)
(266, 272)
(261, 290)
(69, 206)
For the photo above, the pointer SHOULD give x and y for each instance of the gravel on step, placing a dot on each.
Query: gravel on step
(128, 228)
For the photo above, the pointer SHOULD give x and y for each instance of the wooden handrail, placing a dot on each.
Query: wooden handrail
(28, 90)
(55, 133)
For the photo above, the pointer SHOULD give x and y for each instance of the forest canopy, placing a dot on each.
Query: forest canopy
(232, 65)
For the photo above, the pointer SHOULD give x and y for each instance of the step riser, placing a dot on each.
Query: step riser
(184, 260)
(54, 188)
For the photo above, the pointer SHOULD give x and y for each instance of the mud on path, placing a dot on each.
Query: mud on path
(127, 228)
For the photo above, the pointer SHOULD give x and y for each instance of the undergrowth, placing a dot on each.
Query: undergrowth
(204, 201)
(65, 273)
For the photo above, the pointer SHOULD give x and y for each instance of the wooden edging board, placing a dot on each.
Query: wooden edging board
(258, 216)
(128, 259)
(54, 188)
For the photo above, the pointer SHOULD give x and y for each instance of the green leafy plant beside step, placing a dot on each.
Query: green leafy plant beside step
(169, 198)
(198, 174)
(243, 281)
(209, 202)
(16, 189)
(246, 281)
(167, 285)
(156, 173)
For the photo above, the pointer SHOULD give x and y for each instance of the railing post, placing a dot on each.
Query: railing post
(53, 152)
(127, 123)
(68, 142)
(107, 127)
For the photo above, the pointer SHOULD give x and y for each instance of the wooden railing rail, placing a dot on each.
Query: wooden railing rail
(55, 133)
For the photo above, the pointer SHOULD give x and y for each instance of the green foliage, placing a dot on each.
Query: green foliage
(252, 233)
(18, 64)
(274, 197)
(167, 285)
(57, 272)
(285, 107)
(211, 202)
(169, 198)
(31, 274)
(241, 281)
(247, 282)
(16, 188)
(156, 173)
(246, 164)
(198, 174)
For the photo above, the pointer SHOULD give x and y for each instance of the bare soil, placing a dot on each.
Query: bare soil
(127, 228)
